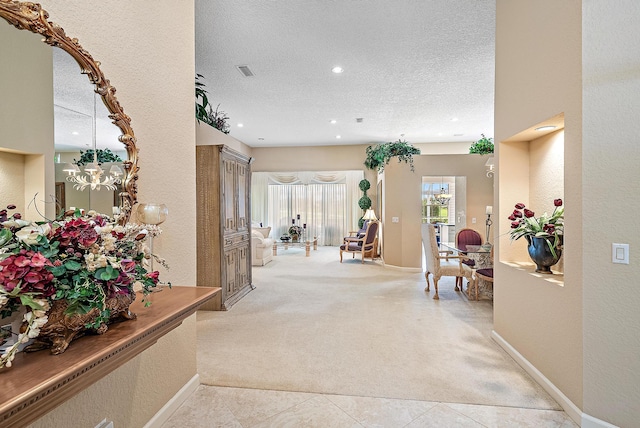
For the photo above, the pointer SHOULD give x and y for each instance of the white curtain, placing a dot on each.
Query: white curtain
(327, 202)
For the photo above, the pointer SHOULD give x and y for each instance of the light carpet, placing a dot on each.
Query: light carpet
(314, 324)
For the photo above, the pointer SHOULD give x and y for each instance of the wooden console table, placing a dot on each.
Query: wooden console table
(39, 381)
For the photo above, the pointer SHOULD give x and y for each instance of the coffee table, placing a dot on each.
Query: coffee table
(299, 244)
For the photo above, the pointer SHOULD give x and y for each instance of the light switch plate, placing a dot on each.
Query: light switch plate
(620, 253)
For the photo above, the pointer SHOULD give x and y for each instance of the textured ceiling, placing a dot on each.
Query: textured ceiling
(410, 67)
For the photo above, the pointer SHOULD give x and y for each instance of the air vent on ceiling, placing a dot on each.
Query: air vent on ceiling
(359, 119)
(244, 69)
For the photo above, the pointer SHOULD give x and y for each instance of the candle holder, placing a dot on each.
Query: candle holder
(153, 215)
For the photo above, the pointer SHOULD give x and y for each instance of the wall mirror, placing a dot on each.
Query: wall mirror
(46, 127)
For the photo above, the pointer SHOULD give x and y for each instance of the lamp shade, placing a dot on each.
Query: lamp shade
(370, 215)
(152, 213)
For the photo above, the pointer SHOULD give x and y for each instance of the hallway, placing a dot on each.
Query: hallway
(319, 343)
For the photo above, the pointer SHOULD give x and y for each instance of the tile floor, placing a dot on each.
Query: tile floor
(214, 406)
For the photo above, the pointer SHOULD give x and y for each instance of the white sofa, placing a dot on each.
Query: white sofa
(261, 246)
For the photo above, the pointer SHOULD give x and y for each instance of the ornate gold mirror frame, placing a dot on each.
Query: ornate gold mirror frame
(30, 16)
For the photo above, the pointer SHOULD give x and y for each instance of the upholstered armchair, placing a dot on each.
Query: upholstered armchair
(365, 246)
(261, 246)
(440, 264)
(354, 235)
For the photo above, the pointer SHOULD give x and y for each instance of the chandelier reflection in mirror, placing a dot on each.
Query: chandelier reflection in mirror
(93, 175)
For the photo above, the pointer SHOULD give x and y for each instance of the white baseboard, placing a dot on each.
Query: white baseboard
(403, 269)
(172, 405)
(571, 409)
(591, 422)
(582, 419)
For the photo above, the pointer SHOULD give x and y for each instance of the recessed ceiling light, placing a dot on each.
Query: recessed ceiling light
(240, 125)
(333, 121)
(75, 133)
(337, 69)
(454, 119)
(338, 137)
(545, 128)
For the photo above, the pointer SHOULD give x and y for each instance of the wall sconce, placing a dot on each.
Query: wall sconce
(490, 165)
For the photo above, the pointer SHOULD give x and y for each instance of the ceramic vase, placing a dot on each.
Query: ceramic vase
(541, 254)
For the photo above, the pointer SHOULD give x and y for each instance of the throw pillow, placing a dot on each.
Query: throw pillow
(265, 231)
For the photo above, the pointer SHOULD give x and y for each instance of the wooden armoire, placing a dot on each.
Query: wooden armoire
(223, 183)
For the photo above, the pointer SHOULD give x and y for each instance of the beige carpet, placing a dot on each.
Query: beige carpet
(315, 325)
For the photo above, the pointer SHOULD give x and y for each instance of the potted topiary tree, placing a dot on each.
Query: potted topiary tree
(364, 202)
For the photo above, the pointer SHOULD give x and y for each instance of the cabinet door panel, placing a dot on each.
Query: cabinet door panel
(243, 195)
(243, 266)
(231, 261)
(228, 195)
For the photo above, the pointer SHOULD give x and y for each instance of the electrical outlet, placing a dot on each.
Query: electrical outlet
(395, 220)
(473, 220)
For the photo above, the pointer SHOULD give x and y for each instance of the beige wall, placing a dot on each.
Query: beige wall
(12, 181)
(538, 69)
(207, 135)
(26, 113)
(403, 199)
(148, 55)
(611, 107)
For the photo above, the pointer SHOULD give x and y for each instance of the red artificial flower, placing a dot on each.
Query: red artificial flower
(154, 276)
(519, 205)
(528, 213)
(517, 214)
(557, 202)
(515, 224)
(512, 217)
(27, 270)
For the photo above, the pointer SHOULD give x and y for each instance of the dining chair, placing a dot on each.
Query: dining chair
(485, 274)
(463, 238)
(440, 263)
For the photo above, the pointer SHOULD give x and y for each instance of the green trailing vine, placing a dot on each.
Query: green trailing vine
(205, 112)
(482, 147)
(378, 156)
(102, 156)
